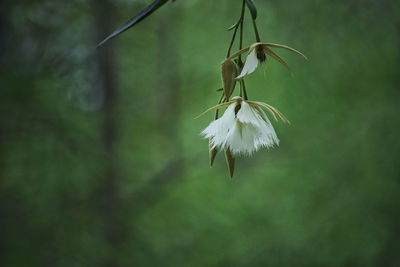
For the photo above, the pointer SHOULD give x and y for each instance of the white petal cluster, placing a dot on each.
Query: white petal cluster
(243, 129)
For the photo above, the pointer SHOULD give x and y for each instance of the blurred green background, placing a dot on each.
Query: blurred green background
(102, 162)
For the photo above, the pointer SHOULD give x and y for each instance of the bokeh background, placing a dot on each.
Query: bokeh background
(102, 163)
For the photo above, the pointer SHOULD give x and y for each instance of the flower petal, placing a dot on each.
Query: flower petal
(269, 137)
(250, 65)
(248, 114)
(219, 129)
(240, 139)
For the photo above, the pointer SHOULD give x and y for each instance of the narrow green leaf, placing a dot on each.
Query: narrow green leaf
(233, 26)
(253, 9)
(136, 19)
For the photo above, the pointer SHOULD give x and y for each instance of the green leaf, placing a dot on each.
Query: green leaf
(252, 7)
(233, 26)
(136, 19)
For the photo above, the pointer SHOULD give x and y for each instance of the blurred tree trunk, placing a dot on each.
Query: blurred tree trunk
(169, 81)
(106, 196)
(2, 38)
(111, 209)
(168, 109)
(3, 195)
(389, 255)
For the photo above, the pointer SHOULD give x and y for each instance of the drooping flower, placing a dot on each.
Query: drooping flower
(244, 127)
(256, 55)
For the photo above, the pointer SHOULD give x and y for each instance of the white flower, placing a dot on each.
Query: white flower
(257, 55)
(244, 127)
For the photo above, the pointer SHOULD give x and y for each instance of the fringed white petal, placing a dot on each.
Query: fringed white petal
(219, 129)
(269, 138)
(248, 114)
(240, 139)
(250, 65)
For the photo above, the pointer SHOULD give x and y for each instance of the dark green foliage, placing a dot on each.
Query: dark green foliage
(80, 187)
(252, 8)
(136, 19)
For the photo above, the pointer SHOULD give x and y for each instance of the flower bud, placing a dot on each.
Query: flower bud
(230, 161)
(229, 71)
(213, 152)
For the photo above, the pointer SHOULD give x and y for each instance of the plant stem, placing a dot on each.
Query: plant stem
(243, 86)
(238, 24)
(219, 102)
(232, 41)
(241, 33)
(256, 31)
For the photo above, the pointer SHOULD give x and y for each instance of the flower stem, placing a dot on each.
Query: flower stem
(219, 102)
(238, 24)
(241, 33)
(243, 87)
(256, 31)
(232, 41)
